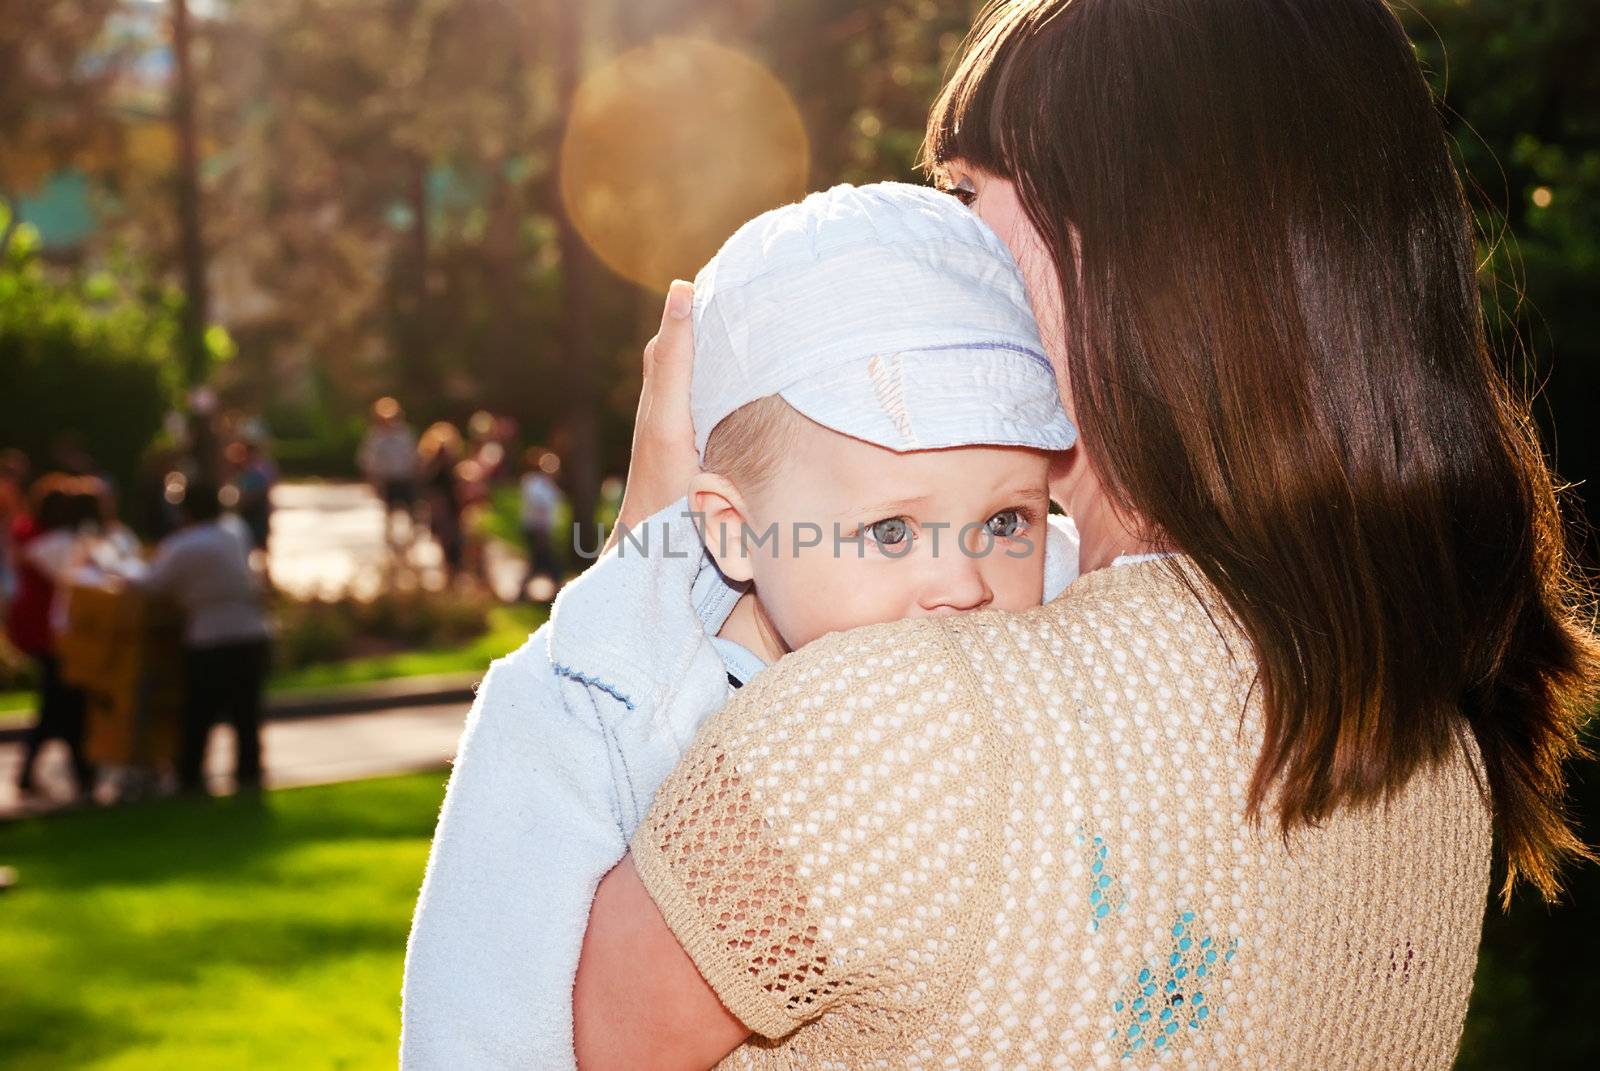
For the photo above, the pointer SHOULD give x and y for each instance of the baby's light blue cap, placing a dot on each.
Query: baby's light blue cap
(888, 312)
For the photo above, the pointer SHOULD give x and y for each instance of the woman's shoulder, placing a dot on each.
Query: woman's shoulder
(1134, 642)
(1156, 617)
(854, 680)
(861, 653)
(1154, 621)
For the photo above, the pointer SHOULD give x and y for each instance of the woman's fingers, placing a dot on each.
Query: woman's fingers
(664, 457)
(668, 368)
(671, 353)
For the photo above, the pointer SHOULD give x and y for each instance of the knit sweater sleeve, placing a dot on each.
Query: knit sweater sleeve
(820, 851)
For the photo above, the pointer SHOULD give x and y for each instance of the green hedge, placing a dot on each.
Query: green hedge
(86, 354)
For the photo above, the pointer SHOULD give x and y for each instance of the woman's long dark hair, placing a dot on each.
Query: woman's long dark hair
(1277, 358)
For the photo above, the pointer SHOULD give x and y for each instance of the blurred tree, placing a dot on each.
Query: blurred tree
(579, 438)
(191, 245)
(52, 102)
(864, 76)
(1521, 95)
(383, 211)
(90, 356)
(360, 140)
(1521, 90)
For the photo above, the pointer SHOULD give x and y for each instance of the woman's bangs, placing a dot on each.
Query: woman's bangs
(966, 121)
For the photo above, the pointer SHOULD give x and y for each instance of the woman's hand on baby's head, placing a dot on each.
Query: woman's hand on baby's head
(664, 458)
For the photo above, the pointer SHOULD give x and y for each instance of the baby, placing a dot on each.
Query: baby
(874, 414)
(871, 396)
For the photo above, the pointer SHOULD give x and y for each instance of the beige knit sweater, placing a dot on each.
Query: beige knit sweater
(1017, 840)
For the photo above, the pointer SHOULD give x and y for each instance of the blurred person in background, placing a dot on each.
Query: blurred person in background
(13, 504)
(475, 496)
(49, 544)
(388, 459)
(541, 498)
(254, 475)
(204, 569)
(484, 446)
(115, 543)
(439, 452)
(148, 505)
(505, 439)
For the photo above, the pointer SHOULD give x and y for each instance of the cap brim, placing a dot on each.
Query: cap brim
(971, 395)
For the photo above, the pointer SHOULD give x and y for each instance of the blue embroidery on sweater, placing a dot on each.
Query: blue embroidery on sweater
(592, 682)
(1105, 891)
(1169, 993)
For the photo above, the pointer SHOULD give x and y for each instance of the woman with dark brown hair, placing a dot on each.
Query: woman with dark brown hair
(1232, 796)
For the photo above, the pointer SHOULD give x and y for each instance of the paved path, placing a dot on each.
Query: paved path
(311, 751)
(329, 539)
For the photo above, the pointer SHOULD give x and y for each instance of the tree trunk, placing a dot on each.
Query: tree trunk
(581, 460)
(192, 248)
(196, 305)
(421, 371)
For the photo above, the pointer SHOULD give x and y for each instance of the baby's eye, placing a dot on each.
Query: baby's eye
(889, 532)
(1006, 524)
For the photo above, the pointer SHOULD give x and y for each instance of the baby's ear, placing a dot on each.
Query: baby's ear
(720, 513)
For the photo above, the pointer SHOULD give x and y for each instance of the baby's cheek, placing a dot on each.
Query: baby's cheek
(813, 594)
(1017, 582)
(847, 592)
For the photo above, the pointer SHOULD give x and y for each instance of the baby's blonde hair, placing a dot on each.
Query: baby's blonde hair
(750, 444)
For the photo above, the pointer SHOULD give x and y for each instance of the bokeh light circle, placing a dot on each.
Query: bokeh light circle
(670, 147)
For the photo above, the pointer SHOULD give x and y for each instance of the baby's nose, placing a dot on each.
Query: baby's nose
(954, 585)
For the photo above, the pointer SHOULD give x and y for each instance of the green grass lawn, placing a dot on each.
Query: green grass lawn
(509, 626)
(239, 933)
(269, 933)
